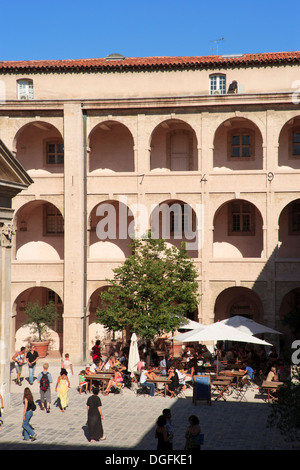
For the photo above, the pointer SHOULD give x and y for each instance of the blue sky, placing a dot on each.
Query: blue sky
(65, 29)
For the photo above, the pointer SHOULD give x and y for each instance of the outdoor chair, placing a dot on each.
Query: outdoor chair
(202, 388)
(142, 390)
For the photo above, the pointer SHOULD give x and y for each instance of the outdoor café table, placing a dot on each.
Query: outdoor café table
(270, 387)
(104, 378)
(236, 374)
(160, 380)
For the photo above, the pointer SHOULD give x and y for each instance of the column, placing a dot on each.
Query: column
(74, 215)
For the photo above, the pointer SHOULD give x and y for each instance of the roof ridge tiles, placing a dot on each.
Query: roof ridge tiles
(149, 62)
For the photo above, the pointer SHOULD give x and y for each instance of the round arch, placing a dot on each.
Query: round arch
(174, 146)
(111, 146)
(238, 230)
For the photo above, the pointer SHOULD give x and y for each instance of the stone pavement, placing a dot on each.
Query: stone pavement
(129, 420)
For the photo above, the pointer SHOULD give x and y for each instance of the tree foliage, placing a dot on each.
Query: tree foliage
(40, 317)
(152, 291)
(285, 411)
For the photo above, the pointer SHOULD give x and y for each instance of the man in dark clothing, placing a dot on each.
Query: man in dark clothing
(32, 358)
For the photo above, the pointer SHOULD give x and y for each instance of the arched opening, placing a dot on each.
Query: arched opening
(111, 148)
(174, 147)
(23, 334)
(238, 231)
(111, 226)
(289, 145)
(238, 145)
(39, 232)
(289, 231)
(176, 222)
(40, 148)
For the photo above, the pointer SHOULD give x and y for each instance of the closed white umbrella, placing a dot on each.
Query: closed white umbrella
(134, 357)
(248, 326)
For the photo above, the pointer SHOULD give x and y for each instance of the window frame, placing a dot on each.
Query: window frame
(57, 216)
(241, 213)
(29, 93)
(294, 130)
(240, 132)
(220, 89)
(55, 142)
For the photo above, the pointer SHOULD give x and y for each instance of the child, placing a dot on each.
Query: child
(67, 364)
(82, 382)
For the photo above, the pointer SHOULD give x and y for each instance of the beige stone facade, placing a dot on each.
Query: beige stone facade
(220, 135)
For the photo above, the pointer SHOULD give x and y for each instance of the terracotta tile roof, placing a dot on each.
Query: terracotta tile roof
(143, 63)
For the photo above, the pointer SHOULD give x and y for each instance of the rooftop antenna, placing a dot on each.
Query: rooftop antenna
(217, 41)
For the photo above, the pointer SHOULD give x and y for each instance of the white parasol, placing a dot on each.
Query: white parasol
(134, 357)
(248, 326)
(220, 332)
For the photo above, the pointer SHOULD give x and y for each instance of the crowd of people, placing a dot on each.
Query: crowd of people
(178, 371)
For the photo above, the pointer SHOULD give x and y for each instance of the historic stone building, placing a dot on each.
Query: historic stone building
(125, 137)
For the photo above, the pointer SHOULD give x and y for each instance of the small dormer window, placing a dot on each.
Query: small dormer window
(217, 84)
(25, 89)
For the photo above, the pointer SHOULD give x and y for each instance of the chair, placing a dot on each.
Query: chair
(201, 388)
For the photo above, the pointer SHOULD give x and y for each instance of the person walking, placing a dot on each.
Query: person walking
(62, 389)
(192, 435)
(95, 417)
(67, 364)
(169, 426)
(29, 408)
(32, 357)
(161, 434)
(19, 359)
(45, 379)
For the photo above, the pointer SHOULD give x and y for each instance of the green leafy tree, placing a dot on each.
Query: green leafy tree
(40, 317)
(285, 411)
(152, 291)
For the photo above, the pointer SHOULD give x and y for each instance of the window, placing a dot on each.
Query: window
(241, 145)
(296, 143)
(55, 153)
(25, 89)
(181, 220)
(241, 218)
(54, 223)
(217, 84)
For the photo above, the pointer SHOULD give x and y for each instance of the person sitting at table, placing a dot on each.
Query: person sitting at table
(109, 363)
(173, 376)
(83, 384)
(272, 375)
(148, 374)
(163, 366)
(116, 379)
(206, 354)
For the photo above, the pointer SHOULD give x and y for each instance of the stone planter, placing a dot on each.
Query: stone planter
(41, 347)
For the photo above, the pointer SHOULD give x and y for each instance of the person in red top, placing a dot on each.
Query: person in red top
(96, 351)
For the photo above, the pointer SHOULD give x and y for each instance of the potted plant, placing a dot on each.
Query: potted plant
(40, 317)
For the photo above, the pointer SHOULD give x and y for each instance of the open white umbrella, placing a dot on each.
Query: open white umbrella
(248, 326)
(220, 332)
(182, 336)
(190, 325)
(134, 357)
